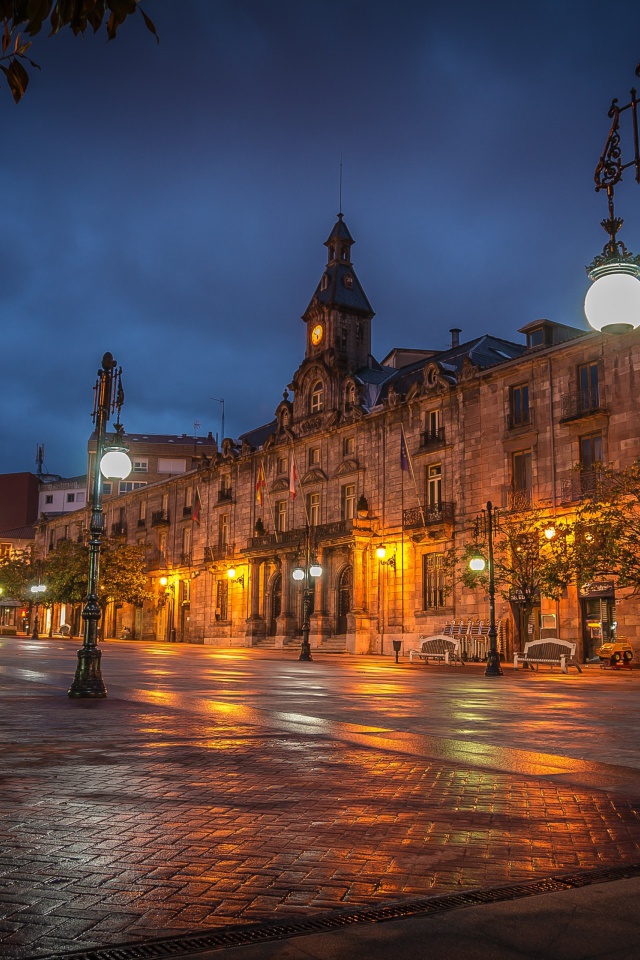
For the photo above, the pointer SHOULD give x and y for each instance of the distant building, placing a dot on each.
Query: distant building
(487, 419)
(62, 496)
(18, 499)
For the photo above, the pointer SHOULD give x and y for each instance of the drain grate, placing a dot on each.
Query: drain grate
(186, 944)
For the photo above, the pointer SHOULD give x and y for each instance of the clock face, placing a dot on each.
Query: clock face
(316, 334)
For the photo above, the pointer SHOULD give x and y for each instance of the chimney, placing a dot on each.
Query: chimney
(455, 336)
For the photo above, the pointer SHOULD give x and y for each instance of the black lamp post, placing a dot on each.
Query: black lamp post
(111, 460)
(37, 590)
(612, 303)
(477, 564)
(311, 569)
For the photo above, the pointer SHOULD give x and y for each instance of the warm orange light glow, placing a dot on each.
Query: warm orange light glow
(163, 581)
(381, 552)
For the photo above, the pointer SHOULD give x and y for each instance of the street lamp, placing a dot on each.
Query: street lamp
(612, 304)
(233, 576)
(37, 590)
(112, 462)
(308, 573)
(477, 563)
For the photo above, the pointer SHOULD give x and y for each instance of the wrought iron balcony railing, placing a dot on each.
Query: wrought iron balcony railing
(432, 438)
(442, 512)
(185, 559)
(223, 551)
(160, 518)
(118, 529)
(589, 483)
(224, 493)
(583, 402)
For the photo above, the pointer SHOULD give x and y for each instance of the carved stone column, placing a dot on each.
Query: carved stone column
(256, 624)
(286, 622)
(322, 622)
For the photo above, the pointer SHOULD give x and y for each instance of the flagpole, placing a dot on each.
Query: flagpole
(271, 510)
(413, 476)
(402, 550)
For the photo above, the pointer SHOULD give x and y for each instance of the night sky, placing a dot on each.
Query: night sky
(169, 203)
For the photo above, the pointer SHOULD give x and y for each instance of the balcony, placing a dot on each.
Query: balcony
(119, 529)
(160, 518)
(225, 495)
(223, 551)
(590, 483)
(432, 438)
(185, 559)
(142, 523)
(324, 531)
(186, 511)
(582, 403)
(442, 512)
(516, 500)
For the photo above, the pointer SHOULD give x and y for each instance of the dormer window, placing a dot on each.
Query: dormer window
(324, 283)
(348, 281)
(317, 397)
(351, 393)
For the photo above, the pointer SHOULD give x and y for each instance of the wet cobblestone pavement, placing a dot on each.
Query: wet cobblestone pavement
(123, 820)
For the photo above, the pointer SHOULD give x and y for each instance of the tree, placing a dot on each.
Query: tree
(528, 563)
(17, 575)
(29, 16)
(607, 528)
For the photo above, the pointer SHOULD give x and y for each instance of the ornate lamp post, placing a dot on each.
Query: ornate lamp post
(612, 303)
(311, 569)
(477, 563)
(112, 462)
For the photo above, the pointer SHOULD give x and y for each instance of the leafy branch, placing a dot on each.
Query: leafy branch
(27, 17)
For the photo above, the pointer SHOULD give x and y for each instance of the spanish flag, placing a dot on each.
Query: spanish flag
(261, 483)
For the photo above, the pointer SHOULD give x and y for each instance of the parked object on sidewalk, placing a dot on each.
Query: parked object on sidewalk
(126, 633)
(615, 653)
(549, 650)
(439, 647)
(65, 630)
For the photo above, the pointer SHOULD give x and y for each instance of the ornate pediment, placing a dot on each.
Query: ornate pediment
(347, 466)
(315, 475)
(281, 484)
(311, 424)
(414, 391)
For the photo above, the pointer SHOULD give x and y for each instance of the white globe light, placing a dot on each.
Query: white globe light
(477, 564)
(315, 570)
(298, 574)
(612, 303)
(115, 465)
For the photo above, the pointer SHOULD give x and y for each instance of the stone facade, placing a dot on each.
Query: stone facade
(486, 420)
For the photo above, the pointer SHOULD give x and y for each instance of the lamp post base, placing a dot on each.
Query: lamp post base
(305, 651)
(493, 665)
(88, 682)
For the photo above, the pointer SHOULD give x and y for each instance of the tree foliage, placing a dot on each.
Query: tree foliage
(17, 575)
(26, 18)
(123, 575)
(607, 529)
(65, 572)
(527, 564)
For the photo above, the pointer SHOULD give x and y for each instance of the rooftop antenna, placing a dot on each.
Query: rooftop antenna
(39, 458)
(221, 401)
(196, 427)
(340, 204)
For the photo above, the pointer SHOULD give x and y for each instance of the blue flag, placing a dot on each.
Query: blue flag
(404, 455)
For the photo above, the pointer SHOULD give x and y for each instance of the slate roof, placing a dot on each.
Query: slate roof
(19, 533)
(340, 231)
(337, 294)
(258, 436)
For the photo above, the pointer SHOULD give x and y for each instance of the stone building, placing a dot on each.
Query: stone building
(403, 453)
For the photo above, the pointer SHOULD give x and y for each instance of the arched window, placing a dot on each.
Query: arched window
(351, 393)
(317, 397)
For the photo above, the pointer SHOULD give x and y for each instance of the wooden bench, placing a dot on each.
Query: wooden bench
(548, 650)
(439, 647)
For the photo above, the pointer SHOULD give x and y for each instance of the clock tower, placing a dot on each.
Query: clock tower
(339, 315)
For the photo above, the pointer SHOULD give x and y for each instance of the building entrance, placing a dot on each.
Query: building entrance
(597, 602)
(345, 593)
(276, 604)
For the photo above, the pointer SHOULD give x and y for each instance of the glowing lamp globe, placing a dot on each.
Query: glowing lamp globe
(477, 563)
(315, 570)
(381, 552)
(231, 573)
(115, 464)
(612, 304)
(550, 532)
(298, 574)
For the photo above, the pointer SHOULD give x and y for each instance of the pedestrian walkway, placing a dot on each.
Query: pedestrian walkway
(127, 819)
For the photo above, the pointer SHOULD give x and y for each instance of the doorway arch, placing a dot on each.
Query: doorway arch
(344, 599)
(275, 604)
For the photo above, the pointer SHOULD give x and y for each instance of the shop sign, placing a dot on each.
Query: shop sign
(597, 588)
